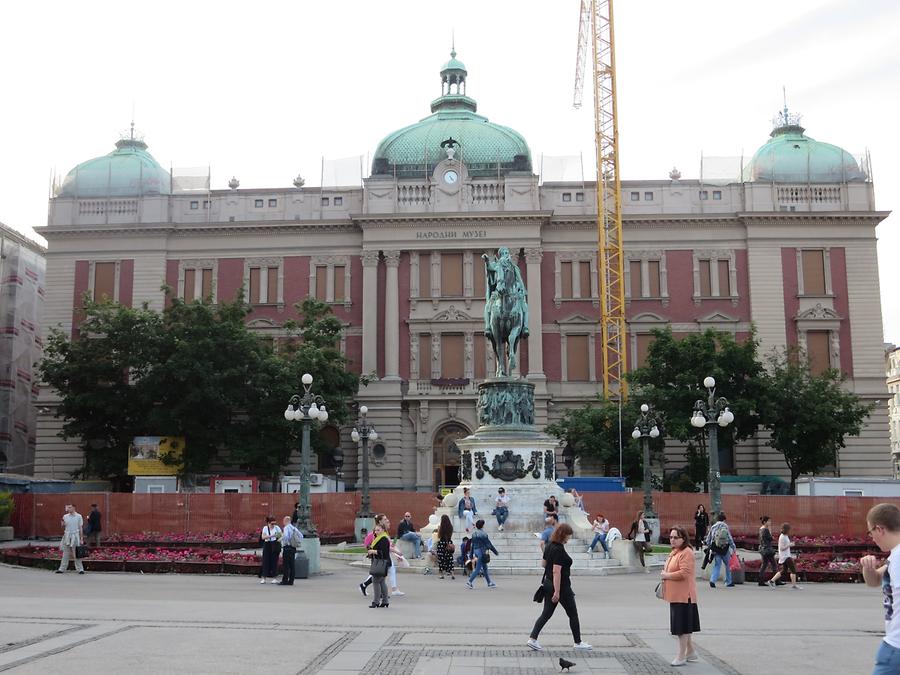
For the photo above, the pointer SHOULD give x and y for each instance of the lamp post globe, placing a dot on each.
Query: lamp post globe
(647, 427)
(712, 414)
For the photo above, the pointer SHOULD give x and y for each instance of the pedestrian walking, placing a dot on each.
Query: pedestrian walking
(445, 547)
(467, 509)
(407, 532)
(73, 526)
(785, 559)
(557, 588)
(601, 529)
(721, 543)
(379, 553)
(501, 508)
(367, 541)
(550, 523)
(481, 545)
(271, 536)
(94, 527)
(766, 549)
(701, 525)
(291, 537)
(397, 561)
(883, 525)
(640, 534)
(680, 591)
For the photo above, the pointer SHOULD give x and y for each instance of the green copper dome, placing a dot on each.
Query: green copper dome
(128, 171)
(790, 156)
(484, 147)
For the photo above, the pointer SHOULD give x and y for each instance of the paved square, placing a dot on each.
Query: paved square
(115, 623)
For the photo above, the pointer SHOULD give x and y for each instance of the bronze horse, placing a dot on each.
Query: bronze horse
(505, 309)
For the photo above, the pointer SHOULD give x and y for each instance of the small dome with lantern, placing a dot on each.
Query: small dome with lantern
(128, 171)
(790, 156)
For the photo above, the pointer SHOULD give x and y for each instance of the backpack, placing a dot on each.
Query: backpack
(720, 540)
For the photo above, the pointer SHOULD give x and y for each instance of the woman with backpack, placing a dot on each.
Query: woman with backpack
(766, 549)
(640, 534)
(722, 545)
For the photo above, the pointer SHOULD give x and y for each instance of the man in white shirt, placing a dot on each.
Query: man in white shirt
(73, 526)
(291, 537)
(883, 522)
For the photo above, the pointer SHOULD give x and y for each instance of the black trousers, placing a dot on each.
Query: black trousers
(767, 559)
(269, 567)
(287, 564)
(567, 600)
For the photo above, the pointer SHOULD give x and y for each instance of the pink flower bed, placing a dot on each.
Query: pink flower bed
(132, 553)
(227, 536)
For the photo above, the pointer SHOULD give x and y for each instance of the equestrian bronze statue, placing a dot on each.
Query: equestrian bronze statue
(505, 309)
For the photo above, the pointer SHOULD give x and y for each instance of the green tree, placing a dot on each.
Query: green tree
(671, 381)
(808, 416)
(592, 432)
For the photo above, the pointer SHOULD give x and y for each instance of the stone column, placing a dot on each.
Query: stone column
(370, 312)
(391, 316)
(535, 322)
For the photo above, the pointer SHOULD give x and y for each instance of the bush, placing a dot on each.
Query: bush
(6, 508)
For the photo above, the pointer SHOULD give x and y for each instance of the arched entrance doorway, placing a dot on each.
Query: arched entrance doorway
(446, 455)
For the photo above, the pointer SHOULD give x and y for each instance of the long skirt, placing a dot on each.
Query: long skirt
(684, 618)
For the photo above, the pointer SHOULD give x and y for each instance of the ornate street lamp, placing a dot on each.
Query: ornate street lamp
(712, 414)
(647, 427)
(363, 432)
(305, 408)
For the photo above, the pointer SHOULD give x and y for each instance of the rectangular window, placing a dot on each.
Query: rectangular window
(717, 195)
(324, 201)
(584, 278)
(338, 201)
(635, 196)
(634, 271)
(579, 196)
(705, 279)
(478, 280)
(451, 275)
(813, 263)
(577, 358)
(425, 356)
(704, 195)
(567, 196)
(424, 275)
(321, 282)
(206, 278)
(653, 273)
(206, 205)
(339, 291)
(724, 279)
(189, 283)
(643, 342)
(254, 285)
(480, 369)
(452, 356)
(273, 203)
(648, 196)
(258, 203)
(104, 281)
(195, 205)
(272, 289)
(565, 271)
(817, 350)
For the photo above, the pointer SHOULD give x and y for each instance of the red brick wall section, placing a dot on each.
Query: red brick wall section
(838, 257)
(171, 280)
(791, 287)
(82, 278)
(126, 282)
(230, 279)
(39, 515)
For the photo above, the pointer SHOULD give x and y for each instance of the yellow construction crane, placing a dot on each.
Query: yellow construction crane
(595, 29)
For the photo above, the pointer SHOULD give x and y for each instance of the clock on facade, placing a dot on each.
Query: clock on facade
(450, 177)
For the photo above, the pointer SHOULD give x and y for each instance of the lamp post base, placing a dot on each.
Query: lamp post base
(362, 526)
(311, 546)
(653, 524)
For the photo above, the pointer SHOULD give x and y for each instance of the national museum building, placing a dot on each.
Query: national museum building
(789, 247)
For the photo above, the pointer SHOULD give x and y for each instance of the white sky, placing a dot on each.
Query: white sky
(263, 90)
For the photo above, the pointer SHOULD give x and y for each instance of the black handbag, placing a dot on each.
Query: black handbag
(486, 557)
(378, 567)
(81, 551)
(541, 593)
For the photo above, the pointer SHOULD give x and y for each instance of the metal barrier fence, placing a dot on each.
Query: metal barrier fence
(39, 515)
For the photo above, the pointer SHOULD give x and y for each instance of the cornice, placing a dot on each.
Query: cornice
(190, 229)
(411, 220)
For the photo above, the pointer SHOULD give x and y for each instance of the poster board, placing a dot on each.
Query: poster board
(146, 455)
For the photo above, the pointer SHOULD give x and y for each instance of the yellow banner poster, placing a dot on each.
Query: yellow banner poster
(154, 455)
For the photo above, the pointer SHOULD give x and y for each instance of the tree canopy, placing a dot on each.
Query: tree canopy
(192, 370)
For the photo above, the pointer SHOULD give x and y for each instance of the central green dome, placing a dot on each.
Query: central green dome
(484, 147)
(790, 156)
(128, 171)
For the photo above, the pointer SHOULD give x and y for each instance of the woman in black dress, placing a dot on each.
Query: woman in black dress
(701, 525)
(445, 547)
(558, 588)
(766, 550)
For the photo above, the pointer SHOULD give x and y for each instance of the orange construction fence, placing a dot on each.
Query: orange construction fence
(39, 515)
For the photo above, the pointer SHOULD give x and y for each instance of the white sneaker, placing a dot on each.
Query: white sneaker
(797, 587)
(588, 549)
(274, 581)
(397, 593)
(535, 645)
(500, 528)
(583, 645)
(262, 581)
